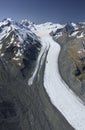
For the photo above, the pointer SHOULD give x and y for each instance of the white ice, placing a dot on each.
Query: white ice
(74, 34)
(81, 35)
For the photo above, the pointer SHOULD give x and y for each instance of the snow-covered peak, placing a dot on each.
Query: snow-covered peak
(47, 28)
(16, 39)
(28, 24)
(8, 25)
(50, 26)
(6, 22)
(74, 30)
(69, 27)
(73, 24)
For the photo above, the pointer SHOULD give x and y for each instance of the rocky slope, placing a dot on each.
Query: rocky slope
(71, 60)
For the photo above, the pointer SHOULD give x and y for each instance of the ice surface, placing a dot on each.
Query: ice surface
(74, 34)
(82, 35)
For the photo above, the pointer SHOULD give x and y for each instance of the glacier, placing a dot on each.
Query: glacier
(61, 96)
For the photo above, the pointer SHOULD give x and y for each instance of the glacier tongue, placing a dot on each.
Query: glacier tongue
(71, 107)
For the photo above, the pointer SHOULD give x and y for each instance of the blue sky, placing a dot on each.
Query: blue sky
(39, 11)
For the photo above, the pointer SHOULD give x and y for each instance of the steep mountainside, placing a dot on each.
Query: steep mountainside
(71, 59)
(19, 46)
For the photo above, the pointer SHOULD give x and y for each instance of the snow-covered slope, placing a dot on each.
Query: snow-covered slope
(71, 30)
(61, 96)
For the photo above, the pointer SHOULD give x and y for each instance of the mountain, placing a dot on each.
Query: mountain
(18, 44)
(71, 30)
(33, 94)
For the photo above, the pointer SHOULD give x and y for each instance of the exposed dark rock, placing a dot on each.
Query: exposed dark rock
(77, 72)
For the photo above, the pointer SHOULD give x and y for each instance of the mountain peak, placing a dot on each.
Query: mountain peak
(16, 41)
(8, 19)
